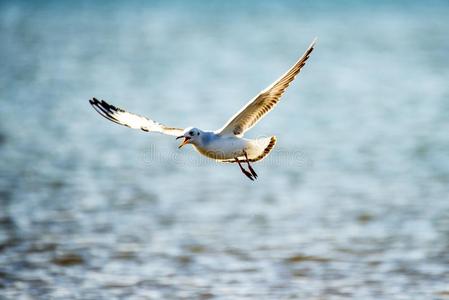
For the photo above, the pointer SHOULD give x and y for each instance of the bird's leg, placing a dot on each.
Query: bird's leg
(249, 166)
(248, 174)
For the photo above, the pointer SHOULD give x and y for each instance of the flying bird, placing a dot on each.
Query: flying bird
(226, 144)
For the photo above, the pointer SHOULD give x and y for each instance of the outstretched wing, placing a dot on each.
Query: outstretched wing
(122, 117)
(260, 105)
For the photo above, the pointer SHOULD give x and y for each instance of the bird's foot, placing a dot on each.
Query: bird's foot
(248, 174)
(250, 167)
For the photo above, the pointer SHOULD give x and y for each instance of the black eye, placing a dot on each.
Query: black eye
(198, 133)
(191, 133)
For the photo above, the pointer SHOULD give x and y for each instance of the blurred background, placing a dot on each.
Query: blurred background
(353, 202)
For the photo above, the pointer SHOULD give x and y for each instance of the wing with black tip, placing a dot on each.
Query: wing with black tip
(122, 117)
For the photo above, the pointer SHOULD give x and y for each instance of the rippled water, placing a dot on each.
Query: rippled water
(353, 202)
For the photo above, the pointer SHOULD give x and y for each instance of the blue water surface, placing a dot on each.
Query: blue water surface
(353, 203)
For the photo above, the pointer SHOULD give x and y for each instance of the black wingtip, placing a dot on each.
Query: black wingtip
(105, 109)
(93, 101)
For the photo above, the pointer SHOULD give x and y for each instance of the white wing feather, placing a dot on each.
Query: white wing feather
(260, 105)
(122, 117)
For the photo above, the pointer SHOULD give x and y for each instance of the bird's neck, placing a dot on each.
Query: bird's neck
(204, 139)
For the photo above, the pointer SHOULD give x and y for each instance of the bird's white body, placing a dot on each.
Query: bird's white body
(226, 144)
(228, 147)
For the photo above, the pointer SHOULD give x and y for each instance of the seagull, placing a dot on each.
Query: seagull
(226, 144)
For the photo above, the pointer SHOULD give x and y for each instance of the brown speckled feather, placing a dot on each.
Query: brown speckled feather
(256, 109)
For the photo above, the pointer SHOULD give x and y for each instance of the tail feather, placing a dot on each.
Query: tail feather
(266, 151)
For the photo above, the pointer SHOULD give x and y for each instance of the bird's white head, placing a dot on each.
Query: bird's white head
(191, 135)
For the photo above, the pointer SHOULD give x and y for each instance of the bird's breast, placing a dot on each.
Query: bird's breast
(222, 148)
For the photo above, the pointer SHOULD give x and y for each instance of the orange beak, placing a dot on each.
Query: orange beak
(184, 142)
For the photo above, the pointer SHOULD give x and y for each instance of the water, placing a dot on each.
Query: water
(353, 202)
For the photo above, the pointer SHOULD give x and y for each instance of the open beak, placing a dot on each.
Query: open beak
(184, 142)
